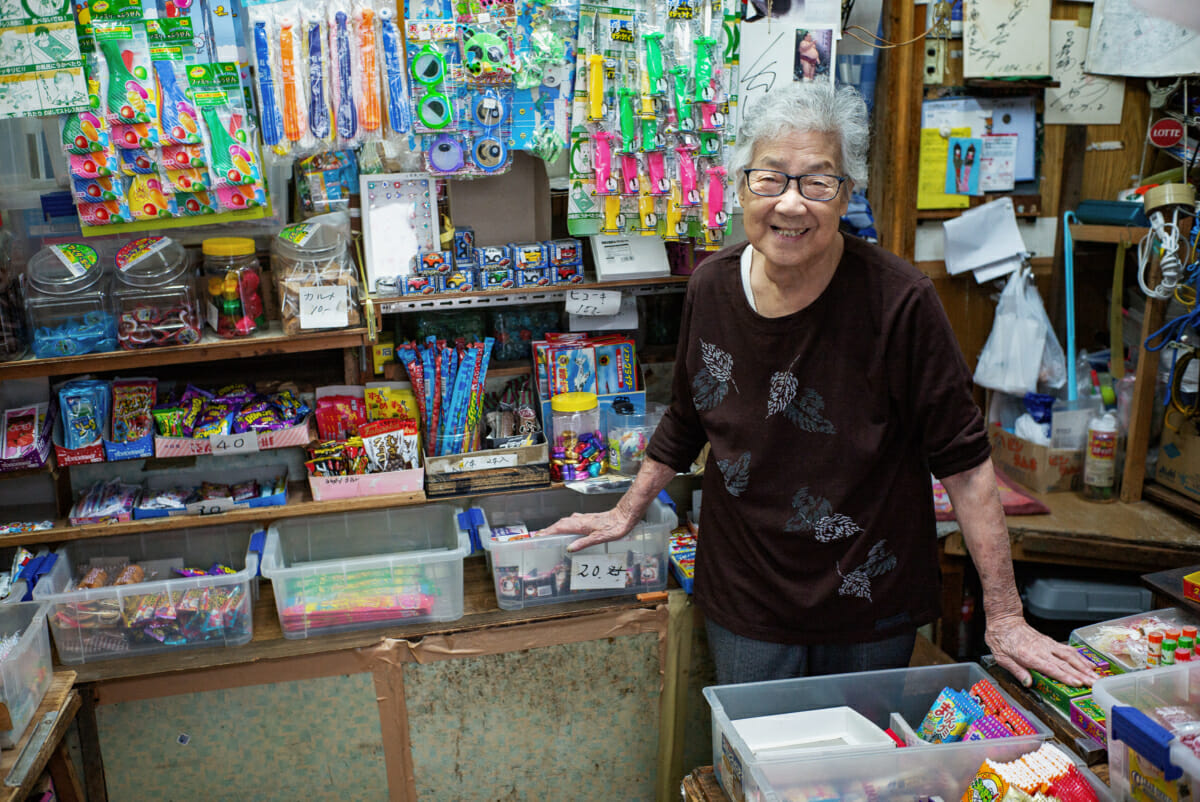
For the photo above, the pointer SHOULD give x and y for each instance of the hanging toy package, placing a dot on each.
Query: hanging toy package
(346, 65)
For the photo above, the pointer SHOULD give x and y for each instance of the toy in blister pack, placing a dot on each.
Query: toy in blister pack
(487, 53)
(134, 136)
(229, 135)
(148, 198)
(345, 102)
(93, 190)
(94, 165)
(489, 121)
(135, 161)
(396, 83)
(195, 204)
(86, 132)
(129, 92)
(432, 52)
(546, 44)
(169, 39)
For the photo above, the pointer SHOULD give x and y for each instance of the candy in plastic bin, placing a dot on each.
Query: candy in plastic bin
(987, 696)
(986, 727)
(95, 578)
(190, 572)
(949, 717)
(217, 569)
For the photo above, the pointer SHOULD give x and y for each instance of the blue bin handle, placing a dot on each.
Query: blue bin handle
(1146, 737)
(470, 521)
(258, 542)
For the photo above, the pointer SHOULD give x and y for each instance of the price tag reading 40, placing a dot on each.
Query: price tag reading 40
(598, 571)
(227, 444)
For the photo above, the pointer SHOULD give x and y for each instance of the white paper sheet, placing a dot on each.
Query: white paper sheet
(1083, 98)
(1003, 38)
(1016, 115)
(982, 236)
(769, 54)
(998, 162)
(1126, 41)
(956, 112)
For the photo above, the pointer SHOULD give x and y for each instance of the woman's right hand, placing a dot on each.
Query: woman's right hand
(595, 527)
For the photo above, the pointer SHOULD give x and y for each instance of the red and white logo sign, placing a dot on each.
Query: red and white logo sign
(1166, 132)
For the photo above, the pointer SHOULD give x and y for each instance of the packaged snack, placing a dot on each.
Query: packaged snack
(986, 727)
(257, 416)
(20, 431)
(948, 719)
(95, 578)
(244, 491)
(291, 408)
(133, 400)
(131, 575)
(211, 490)
(390, 445)
(339, 416)
(217, 418)
(84, 410)
(387, 401)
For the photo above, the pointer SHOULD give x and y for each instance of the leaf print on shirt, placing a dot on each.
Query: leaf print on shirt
(836, 527)
(858, 582)
(807, 512)
(711, 383)
(807, 412)
(783, 390)
(736, 473)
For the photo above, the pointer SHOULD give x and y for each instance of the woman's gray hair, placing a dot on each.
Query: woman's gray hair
(799, 107)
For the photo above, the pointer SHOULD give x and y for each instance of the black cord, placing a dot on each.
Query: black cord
(847, 10)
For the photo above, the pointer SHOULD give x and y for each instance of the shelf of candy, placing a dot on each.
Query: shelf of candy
(115, 500)
(370, 442)
(1142, 640)
(114, 597)
(104, 421)
(233, 419)
(27, 432)
(651, 120)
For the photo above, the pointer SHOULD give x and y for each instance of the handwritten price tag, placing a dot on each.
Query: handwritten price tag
(598, 571)
(593, 303)
(227, 444)
(324, 307)
(210, 507)
(484, 462)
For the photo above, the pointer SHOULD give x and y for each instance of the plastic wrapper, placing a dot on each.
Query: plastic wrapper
(948, 719)
(83, 405)
(133, 400)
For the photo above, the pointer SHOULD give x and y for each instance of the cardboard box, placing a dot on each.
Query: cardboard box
(1089, 717)
(1179, 460)
(1056, 693)
(1191, 586)
(1040, 468)
(301, 434)
(367, 484)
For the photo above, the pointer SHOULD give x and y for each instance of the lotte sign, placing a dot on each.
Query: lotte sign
(1166, 132)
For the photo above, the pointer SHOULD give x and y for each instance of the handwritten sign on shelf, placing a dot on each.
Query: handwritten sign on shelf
(210, 506)
(324, 307)
(229, 444)
(1083, 98)
(482, 462)
(593, 303)
(1006, 39)
(598, 571)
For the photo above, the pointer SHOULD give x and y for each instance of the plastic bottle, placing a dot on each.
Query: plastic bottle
(1100, 459)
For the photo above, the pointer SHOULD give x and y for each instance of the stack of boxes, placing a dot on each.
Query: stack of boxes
(496, 267)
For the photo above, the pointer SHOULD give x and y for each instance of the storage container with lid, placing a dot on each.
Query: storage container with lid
(315, 278)
(68, 299)
(579, 447)
(232, 282)
(25, 670)
(155, 295)
(13, 338)
(629, 432)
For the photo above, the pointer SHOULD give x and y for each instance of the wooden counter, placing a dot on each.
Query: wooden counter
(48, 752)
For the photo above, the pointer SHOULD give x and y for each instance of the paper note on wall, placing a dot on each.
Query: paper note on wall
(1006, 38)
(797, 45)
(1125, 40)
(40, 61)
(998, 162)
(1082, 98)
(931, 171)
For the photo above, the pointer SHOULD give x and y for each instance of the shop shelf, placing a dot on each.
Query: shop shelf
(26, 673)
(880, 696)
(165, 611)
(356, 570)
(539, 570)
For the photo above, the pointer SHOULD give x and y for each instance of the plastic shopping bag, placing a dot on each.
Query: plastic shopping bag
(1022, 347)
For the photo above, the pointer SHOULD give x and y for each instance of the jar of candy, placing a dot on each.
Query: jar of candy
(578, 450)
(13, 340)
(232, 287)
(315, 278)
(155, 295)
(68, 302)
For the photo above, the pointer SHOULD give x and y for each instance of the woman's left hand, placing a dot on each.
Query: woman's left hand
(1019, 647)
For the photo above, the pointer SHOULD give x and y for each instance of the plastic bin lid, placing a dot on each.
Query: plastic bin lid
(64, 269)
(151, 262)
(308, 240)
(1063, 599)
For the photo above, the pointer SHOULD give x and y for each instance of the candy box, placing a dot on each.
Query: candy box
(528, 255)
(1191, 586)
(1089, 716)
(1056, 693)
(564, 252)
(500, 278)
(567, 274)
(532, 277)
(493, 256)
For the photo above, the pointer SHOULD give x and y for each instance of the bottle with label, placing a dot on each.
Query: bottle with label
(1100, 459)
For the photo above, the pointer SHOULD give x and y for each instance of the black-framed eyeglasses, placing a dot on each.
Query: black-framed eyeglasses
(813, 186)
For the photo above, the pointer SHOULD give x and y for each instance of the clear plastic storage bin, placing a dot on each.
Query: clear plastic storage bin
(25, 675)
(68, 300)
(538, 570)
(155, 295)
(1128, 655)
(334, 573)
(163, 612)
(1142, 749)
(878, 695)
(13, 340)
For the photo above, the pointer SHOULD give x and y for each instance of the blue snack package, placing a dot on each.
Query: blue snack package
(84, 405)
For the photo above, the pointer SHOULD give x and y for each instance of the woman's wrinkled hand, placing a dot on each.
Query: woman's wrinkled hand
(1019, 647)
(594, 527)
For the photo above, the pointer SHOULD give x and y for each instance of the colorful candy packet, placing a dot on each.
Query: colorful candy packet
(84, 410)
(133, 400)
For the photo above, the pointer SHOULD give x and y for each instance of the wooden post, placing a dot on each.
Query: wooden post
(897, 113)
(1141, 409)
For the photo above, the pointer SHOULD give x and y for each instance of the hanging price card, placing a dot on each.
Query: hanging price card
(598, 571)
(594, 303)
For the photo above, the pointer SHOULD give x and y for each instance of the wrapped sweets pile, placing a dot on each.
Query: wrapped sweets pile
(233, 409)
(372, 434)
(974, 715)
(1138, 643)
(1041, 776)
(1183, 722)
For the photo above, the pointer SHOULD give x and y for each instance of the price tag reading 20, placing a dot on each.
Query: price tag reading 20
(598, 571)
(227, 444)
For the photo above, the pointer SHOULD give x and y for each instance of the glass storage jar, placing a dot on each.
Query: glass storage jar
(68, 302)
(13, 338)
(578, 450)
(315, 278)
(155, 295)
(232, 287)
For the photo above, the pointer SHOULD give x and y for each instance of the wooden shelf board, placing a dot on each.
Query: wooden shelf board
(590, 285)
(61, 698)
(1172, 499)
(211, 349)
(1110, 234)
(479, 611)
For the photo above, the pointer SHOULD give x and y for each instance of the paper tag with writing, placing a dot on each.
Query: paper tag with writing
(484, 462)
(210, 507)
(598, 571)
(226, 444)
(594, 303)
(78, 259)
(324, 307)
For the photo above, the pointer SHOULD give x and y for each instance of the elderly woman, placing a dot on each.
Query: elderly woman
(825, 375)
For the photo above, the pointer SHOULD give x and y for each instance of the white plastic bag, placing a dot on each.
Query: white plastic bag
(1022, 347)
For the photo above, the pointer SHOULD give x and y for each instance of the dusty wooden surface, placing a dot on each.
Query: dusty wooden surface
(60, 698)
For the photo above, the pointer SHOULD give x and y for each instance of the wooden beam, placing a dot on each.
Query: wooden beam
(896, 116)
(1141, 408)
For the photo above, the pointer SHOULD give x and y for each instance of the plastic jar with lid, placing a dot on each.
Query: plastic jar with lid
(232, 287)
(155, 295)
(578, 450)
(629, 432)
(68, 302)
(13, 338)
(315, 278)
